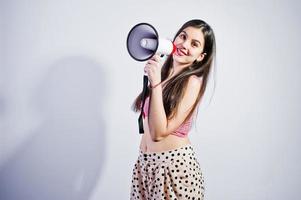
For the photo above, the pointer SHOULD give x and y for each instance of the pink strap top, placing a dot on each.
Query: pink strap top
(183, 129)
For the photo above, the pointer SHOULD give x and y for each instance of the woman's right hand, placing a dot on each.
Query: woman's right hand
(153, 70)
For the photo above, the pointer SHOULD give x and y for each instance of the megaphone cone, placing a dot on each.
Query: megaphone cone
(143, 42)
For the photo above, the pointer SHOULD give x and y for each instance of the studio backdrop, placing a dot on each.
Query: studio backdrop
(67, 83)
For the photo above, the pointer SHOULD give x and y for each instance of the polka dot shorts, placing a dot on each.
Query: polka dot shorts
(171, 175)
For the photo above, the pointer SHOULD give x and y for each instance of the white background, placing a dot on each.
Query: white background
(67, 84)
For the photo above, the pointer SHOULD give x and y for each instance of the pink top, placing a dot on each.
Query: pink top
(183, 129)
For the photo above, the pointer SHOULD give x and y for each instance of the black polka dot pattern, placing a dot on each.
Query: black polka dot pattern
(173, 174)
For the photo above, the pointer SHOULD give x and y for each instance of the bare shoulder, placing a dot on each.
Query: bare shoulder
(192, 90)
(194, 82)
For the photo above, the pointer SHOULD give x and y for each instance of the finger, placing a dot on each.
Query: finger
(156, 58)
(146, 69)
(152, 62)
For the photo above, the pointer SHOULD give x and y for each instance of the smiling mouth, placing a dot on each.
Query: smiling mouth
(181, 53)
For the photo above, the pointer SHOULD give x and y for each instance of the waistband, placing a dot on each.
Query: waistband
(166, 156)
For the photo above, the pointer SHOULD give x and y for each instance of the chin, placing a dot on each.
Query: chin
(181, 60)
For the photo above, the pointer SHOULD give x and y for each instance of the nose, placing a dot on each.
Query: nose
(185, 44)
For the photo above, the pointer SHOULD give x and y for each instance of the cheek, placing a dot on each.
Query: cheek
(177, 41)
(196, 53)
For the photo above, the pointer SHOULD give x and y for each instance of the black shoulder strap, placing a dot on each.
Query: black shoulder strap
(140, 120)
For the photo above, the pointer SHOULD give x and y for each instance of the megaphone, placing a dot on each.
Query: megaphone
(143, 42)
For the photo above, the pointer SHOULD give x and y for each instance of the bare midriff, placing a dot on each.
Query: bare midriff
(168, 143)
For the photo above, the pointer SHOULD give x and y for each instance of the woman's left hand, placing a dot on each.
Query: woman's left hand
(153, 70)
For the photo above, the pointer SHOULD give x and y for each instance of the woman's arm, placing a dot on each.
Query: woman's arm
(159, 126)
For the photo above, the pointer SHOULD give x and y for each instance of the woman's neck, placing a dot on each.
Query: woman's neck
(177, 68)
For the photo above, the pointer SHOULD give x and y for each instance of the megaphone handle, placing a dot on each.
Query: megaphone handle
(140, 120)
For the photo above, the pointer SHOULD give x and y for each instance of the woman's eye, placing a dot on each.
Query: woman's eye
(182, 36)
(194, 44)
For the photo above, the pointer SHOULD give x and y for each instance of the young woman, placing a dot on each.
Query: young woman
(167, 167)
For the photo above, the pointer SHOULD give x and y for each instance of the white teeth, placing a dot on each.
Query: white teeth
(181, 53)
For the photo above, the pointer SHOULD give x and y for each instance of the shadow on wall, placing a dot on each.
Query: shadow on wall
(65, 155)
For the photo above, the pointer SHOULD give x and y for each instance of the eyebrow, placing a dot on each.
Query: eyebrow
(192, 39)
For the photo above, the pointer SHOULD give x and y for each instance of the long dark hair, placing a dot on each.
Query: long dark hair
(175, 87)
